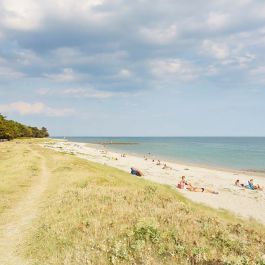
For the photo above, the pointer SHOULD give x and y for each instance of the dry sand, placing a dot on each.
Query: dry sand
(242, 202)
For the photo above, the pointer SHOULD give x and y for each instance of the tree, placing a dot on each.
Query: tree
(11, 129)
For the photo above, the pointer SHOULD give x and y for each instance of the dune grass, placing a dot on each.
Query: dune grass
(95, 214)
(19, 167)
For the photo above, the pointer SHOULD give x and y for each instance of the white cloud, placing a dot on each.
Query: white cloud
(39, 108)
(27, 15)
(257, 10)
(66, 75)
(70, 35)
(67, 55)
(124, 73)
(74, 56)
(217, 20)
(244, 60)
(87, 93)
(78, 92)
(159, 35)
(258, 71)
(211, 70)
(43, 91)
(217, 50)
(258, 74)
(21, 15)
(9, 73)
(174, 68)
(76, 10)
(27, 57)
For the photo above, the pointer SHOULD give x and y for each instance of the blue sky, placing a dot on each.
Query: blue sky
(134, 68)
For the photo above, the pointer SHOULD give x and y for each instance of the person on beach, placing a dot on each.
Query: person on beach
(136, 172)
(166, 167)
(251, 185)
(158, 163)
(183, 184)
(237, 183)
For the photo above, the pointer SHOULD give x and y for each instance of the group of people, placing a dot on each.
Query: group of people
(250, 185)
(183, 184)
(158, 163)
(165, 166)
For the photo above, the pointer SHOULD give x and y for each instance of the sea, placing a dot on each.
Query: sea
(239, 153)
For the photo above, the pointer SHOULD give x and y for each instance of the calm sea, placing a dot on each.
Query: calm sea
(243, 153)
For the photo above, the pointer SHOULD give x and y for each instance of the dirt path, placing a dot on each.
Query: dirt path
(20, 219)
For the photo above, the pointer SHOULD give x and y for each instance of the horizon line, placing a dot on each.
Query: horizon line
(162, 136)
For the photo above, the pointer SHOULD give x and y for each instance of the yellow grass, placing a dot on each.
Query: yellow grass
(93, 214)
(19, 167)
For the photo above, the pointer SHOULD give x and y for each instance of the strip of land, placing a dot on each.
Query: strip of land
(74, 211)
(241, 201)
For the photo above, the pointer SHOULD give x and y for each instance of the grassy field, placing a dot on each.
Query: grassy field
(92, 214)
(19, 167)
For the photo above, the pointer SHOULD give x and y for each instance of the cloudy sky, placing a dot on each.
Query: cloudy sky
(141, 67)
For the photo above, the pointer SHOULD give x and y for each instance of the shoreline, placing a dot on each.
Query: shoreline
(249, 171)
(240, 201)
(259, 173)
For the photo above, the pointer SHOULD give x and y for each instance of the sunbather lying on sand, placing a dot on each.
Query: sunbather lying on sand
(253, 186)
(135, 171)
(166, 167)
(183, 184)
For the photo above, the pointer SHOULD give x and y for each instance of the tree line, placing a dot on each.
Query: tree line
(10, 129)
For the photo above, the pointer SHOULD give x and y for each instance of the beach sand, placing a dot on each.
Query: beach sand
(240, 201)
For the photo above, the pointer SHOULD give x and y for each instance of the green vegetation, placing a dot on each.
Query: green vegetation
(93, 214)
(19, 168)
(11, 129)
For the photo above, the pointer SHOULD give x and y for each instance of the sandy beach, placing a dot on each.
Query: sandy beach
(242, 202)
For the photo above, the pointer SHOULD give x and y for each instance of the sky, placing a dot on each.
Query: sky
(134, 68)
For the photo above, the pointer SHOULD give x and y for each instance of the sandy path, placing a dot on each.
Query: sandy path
(20, 219)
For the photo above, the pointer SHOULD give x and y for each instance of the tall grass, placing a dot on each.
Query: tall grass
(19, 167)
(99, 215)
